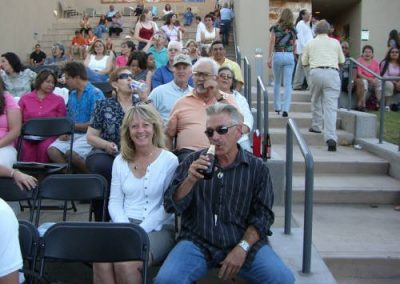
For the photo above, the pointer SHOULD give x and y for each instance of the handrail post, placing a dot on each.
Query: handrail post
(382, 111)
(349, 85)
(245, 80)
(289, 173)
(249, 83)
(259, 80)
(308, 213)
(238, 56)
(266, 113)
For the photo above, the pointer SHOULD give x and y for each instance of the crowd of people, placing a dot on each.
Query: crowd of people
(171, 100)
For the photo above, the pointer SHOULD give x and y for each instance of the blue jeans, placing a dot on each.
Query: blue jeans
(100, 29)
(186, 263)
(96, 77)
(285, 61)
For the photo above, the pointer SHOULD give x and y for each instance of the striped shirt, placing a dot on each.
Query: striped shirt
(217, 212)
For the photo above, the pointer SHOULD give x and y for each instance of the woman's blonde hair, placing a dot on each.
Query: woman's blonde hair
(148, 114)
(91, 49)
(286, 19)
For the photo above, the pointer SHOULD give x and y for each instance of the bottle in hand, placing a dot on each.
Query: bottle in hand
(267, 147)
(209, 172)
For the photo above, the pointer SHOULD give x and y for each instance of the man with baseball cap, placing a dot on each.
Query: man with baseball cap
(165, 96)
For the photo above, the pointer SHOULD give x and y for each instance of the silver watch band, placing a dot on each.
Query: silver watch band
(244, 245)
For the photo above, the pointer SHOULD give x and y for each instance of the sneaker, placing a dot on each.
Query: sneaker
(331, 145)
(314, 131)
(285, 114)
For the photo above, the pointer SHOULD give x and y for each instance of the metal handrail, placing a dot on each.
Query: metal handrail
(382, 100)
(291, 129)
(247, 80)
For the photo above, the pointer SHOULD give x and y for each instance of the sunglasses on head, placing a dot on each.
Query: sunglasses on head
(221, 130)
(125, 76)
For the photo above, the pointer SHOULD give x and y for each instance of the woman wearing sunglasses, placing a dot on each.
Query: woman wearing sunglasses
(103, 133)
(140, 176)
(227, 84)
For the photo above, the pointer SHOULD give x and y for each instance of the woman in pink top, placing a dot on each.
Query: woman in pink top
(126, 49)
(365, 80)
(390, 67)
(10, 127)
(42, 102)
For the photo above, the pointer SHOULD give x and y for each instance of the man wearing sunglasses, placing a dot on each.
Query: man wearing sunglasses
(186, 122)
(226, 220)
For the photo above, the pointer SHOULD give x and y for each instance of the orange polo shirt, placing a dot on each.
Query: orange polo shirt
(187, 121)
(78, 40)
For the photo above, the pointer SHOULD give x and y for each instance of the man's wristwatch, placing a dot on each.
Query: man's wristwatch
(244, 245)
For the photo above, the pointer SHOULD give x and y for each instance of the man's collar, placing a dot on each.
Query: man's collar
(176, 87)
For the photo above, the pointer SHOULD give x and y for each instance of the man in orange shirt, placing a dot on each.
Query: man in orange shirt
(187, 119)
(78, 45)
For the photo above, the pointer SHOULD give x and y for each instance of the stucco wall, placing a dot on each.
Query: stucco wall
(20, 20)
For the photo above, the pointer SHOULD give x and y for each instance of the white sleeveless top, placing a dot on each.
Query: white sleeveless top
(97, 65)
(209, 36)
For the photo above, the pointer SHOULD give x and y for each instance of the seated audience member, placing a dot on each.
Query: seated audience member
(366, 80)
(200, 28)
(145, 29)
(101, 27)
(103, 133)
(116, 25)
(167, 10)
(158, 49)
(111, 13)
(193, 52)
(98, 63)
(345, 73)
(85, 25)
(42, 102)
(390, 67)
(109, 47)
(90, 38)
(37, 57)
(210, 33)
(10, 252)
(57, 55)
(393, 39)
(24, 181)
(188, 17)
(138, 65)
(170, 29)
(150, 62)
(218, 53)
(226, 83)
(78, 45)
(186, 121)
(80, 107)
(165, 96)
(17, 79)
(140, 176)
(164, 74)
(10, 127)
(127, 47)
(230, 233)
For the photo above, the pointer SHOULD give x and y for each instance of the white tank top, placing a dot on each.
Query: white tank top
(97, 65)
(209, 36)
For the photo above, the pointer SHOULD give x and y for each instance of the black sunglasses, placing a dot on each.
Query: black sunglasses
(125, 76)
(219, 129)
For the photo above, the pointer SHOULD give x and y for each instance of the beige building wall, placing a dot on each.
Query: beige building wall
(20, 20)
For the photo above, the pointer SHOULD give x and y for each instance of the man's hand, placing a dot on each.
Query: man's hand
(201, 163)
(232, 263)
(212, 86)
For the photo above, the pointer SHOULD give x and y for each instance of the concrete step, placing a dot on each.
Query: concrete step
(358, 242)
(349, 188)
(302, 119)
(346, 160)
(278, 136)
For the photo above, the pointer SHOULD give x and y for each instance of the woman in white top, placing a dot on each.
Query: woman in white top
(141, 173)
(98, 63)
(170, 29)
(210, 33)
(226, 84)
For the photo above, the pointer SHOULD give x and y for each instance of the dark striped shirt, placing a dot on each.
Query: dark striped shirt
(217, 212)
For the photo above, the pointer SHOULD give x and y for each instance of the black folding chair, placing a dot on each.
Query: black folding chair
(29, 243)
(105, 87)
(9, 191)
(95, 242)
(74, 187)
(44, 127)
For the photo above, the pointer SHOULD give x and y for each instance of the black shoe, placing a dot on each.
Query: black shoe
(331, 145)
(285, 114)
(313, 130)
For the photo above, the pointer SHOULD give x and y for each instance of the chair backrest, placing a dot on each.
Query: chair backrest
(28, 241)
(49, 126)
(79, 187)
(9, 191)
(105, 87)
(95, 242)
(52, 67)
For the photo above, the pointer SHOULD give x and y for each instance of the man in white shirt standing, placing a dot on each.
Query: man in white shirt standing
(304, 35)
(200, 27)
(324, 56)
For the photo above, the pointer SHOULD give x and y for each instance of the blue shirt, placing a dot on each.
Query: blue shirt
(164, 75)
(165, 96)
(80, 110)
(226, 14)
(161, 57)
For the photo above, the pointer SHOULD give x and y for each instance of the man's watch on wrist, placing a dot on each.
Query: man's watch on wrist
(221, 98)
(244, 245)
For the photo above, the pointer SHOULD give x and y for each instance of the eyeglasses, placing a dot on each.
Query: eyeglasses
(125, 76)
(173, 49)
(221, 130)
(225, 76)
(201, 74)
(98, 45)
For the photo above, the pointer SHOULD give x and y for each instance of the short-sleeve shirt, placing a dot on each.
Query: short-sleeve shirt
(373, 66)
(10, 104)
(80, 110)
(160, 56)
(284, 38)
(107, 118)
(38, 57)
(19, 83)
